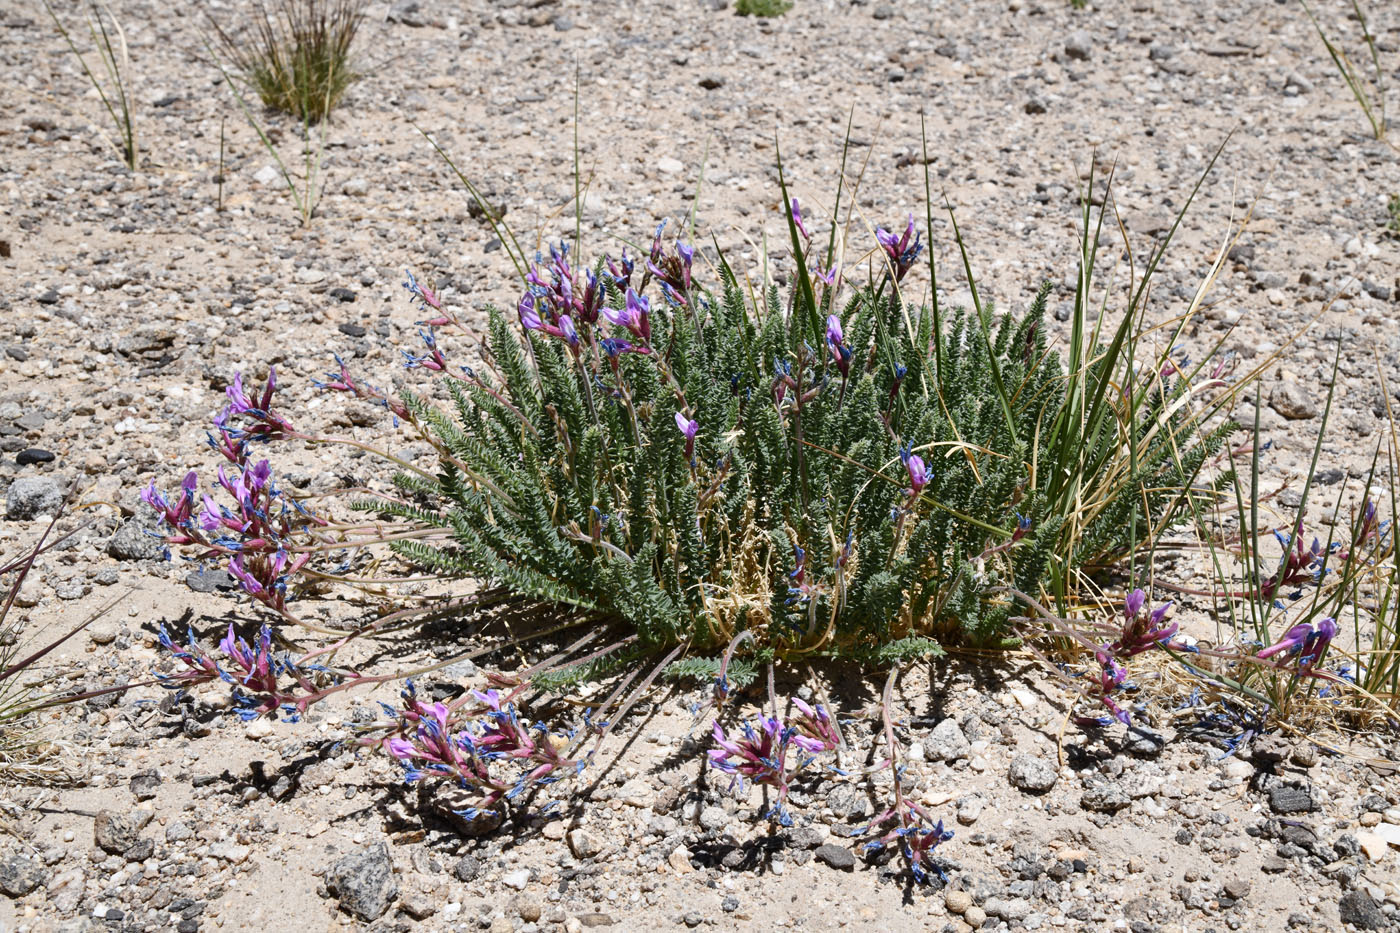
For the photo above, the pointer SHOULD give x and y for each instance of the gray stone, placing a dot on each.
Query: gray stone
(30, 496)
(145, 783)
(1031, 774)
(210, 581)
(1011, 909)
(19, 875)
(409, 14)
(838, 857)
(467, 868)
(1291, 798)
(363, 882)
(1108, 797)
(115, 832)
(850, 803)
(1293, 402)
(1360, 910)
(135, 540)
(713, 819)
(1143, 743)
(1079, 46)
(583, 845)
(946, 742)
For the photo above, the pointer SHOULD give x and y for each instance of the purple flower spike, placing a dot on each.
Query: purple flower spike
(797, 220)
(621, 271)
(902, 250)
(833, 330)
(1133, 604)
(840, 353)
(687, 256)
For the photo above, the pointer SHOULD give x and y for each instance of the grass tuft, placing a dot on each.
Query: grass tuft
(297, 57)
(762, 8)
(115, 92)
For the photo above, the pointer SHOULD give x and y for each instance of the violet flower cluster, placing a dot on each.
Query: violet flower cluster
(254, 671)
(1141, 631)
(916, 833)
(436, 741)
(258, 532)
(760, 754)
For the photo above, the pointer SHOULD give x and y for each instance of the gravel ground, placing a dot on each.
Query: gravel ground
(130, 300)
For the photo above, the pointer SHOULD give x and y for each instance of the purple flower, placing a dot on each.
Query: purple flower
(902, 250)
(614, 347)
(1306, 640)
(567, 329)
(797, 220)
(840, 353)
(656, 243)
(689, 428)
(1133, 604)
(621, 271)
(1111, 677)
(638, 309)
(918, 473)
(1298, 563)
(687, 256)
(529, 317)
(816, 733)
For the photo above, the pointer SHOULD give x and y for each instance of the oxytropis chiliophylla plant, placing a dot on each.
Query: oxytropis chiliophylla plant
(704, 482)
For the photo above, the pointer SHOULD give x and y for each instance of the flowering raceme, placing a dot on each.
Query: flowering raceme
(759, 754)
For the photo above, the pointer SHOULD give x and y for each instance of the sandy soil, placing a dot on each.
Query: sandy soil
(130, 300)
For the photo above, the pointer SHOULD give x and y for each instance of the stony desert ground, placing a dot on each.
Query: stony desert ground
(130, 298)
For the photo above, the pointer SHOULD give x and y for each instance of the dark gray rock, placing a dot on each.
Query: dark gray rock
(19, 875)
(1291, 798)
(363, 882)
(838, 857)
(1031, 774)
(1360, 910)
(32, 495)
(1143, 743)
(144, 784)
(803, 837)
(409, 14)
(849, 802)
